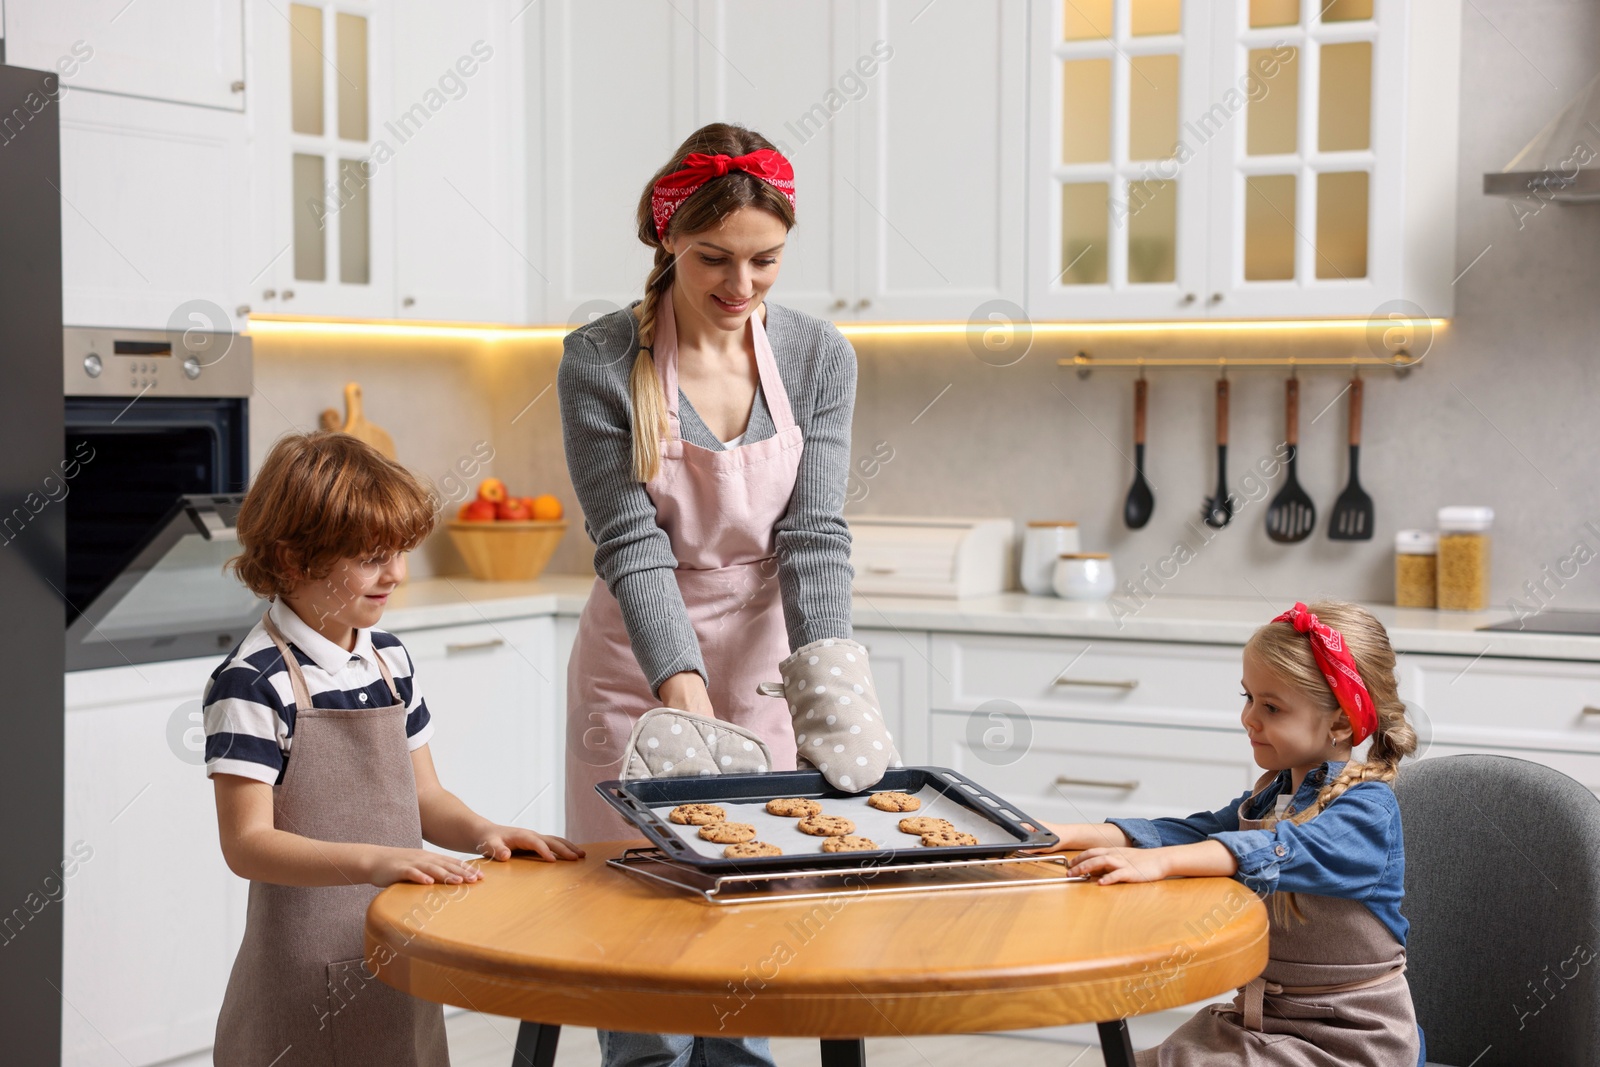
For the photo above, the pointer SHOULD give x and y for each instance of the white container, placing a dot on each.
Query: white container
(1084, 576)
(1042, 544)
(947, 557)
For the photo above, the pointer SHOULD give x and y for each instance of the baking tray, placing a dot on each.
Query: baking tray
(1001, 829)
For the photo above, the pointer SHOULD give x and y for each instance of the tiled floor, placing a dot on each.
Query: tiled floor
(487, 1041)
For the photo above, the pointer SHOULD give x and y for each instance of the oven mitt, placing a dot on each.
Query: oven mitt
(838, 728)
(668, 743)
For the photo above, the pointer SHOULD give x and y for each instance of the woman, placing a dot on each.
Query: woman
(708, 436)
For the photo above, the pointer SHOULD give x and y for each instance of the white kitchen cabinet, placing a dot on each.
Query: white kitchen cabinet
(179, 51)
(153, 917)
(937, 196)
(324, 234)
(793, 97)
(498, 728)
(457, 124)
(900, 665)
(611, 115)
(155, 203)
(1281, 159)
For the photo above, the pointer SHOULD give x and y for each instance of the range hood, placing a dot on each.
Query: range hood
(1563, 161)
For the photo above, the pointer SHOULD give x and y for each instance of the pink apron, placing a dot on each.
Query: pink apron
(720, 510)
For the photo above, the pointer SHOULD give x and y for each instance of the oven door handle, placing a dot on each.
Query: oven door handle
(214, 528)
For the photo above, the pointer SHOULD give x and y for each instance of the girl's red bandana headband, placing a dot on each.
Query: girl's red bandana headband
(1339, 668)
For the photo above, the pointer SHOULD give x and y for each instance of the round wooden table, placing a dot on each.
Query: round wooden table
(586, 944)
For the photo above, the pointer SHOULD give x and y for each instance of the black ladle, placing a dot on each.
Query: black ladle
(1291, 516)
(1141, 502)
(1218, 509)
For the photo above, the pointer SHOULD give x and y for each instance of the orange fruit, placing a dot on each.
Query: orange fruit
(546, 508)
(492, 489)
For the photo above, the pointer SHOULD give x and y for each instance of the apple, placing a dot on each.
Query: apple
(511, 511)
(492, 490)
(477, 511)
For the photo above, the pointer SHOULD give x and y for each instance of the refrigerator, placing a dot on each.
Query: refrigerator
(32, 554)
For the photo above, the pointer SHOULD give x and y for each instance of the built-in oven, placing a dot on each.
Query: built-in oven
(156, 459)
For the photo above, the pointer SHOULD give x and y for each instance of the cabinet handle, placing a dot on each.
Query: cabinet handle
(472, 646)
(863, 304)
(840, 304)
(409, 301)
(1216, 298)
(1188, 298)
(288, 294)
(241, 311)
(237, 87)
(1590, 709)
(880, 568)
(1097, 783)
(269, 294)
(1103, 683)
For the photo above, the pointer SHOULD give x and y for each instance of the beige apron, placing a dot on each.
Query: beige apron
(1333, 994)
(300, 995)
(720, 511)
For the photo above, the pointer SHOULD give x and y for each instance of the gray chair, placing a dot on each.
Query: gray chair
(1503, 895)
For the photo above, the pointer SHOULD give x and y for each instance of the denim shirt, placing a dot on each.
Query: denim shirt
(1351, 849)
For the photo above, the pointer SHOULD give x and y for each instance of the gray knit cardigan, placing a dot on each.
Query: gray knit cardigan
(633, 554)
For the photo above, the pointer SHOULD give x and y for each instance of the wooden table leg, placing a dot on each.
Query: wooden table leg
(536, 1045)
(844, 1053)
(1115, 1045)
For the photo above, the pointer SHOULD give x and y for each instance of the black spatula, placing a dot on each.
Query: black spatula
(1352, 512)
(1291, 516)
(1141, 502)
(1218, 510)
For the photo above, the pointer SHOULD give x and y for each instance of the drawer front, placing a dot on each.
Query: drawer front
(1069, 771)
(1505, 703)
(1145, 681)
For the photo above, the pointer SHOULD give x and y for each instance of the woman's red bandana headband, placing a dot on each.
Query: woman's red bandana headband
(1339, 668)
(698, 168)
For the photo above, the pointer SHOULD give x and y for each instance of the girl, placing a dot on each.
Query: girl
(1320, 833)
(707, 433)
(324, 530)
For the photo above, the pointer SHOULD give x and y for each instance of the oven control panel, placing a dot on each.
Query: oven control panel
(108, 362)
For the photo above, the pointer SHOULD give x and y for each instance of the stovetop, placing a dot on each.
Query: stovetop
(1586, 623)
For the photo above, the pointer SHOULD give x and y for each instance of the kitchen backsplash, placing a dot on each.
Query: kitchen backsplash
(1497, 414)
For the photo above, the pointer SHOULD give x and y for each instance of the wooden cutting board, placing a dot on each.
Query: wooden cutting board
(355, 422)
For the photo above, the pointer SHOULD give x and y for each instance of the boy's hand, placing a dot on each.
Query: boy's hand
(391, 865)
(499, 842)
(1108, 865)
(1075, 835)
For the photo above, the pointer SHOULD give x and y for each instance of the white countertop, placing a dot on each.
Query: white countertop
(1207, 620)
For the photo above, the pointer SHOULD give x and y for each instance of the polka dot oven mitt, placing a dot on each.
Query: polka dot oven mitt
(838, 728)
(668, 743)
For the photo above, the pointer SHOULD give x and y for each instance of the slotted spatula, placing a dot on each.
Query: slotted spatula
(1352, 512)
(1291, 516)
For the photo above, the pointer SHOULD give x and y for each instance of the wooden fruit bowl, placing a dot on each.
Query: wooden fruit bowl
(501, 551)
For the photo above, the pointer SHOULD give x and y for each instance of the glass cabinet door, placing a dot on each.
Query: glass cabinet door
(335, 149)
(1120, 221)
(1305, 160)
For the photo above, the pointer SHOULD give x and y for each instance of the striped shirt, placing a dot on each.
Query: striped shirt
(249, 700)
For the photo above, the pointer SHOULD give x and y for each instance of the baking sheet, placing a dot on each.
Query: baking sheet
(881, 826)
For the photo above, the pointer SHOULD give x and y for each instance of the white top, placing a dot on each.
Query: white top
(735, 442)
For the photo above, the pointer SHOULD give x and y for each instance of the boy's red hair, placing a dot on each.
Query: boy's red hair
(321, 497)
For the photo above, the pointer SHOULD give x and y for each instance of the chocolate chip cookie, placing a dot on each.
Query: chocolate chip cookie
(826, 826)
(727, 833)
(697, 814)
(793, 807)
(923, 824)
(894, 802)
(745, 850)
(946, 838)
(849, 843)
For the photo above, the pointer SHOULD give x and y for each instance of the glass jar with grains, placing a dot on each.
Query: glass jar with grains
(1416, 570)
(1464, 558)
